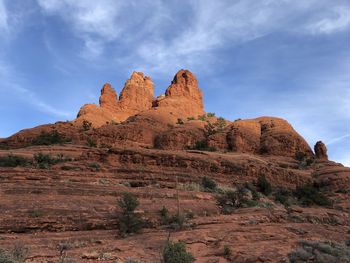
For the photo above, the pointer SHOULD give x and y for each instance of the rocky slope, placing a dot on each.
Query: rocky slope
(60, 199)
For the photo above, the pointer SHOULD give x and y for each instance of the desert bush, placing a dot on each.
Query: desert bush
(180, 121)
(208, 184)
(264, 185)
(320, 251)
(164, 215)
(202, 146)
(4, 146)
(16, 255)
(49, 138)
(211, 114)
(6, 257)
(86, 125)
(189, 186)
(13, 161)
(310, 195)
(227, 251)
(176, 221)
(95, 166)
(190, 118)
(213, 128)
(300, 156)
(44, 161)
(232, 199)
(202, 117)
(175, 252)
(91, 143)
(253, 190)
(283, 196)
(129, 221)
(220, 124)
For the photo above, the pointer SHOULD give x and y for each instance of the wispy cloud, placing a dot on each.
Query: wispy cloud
(338, 139)
(99, 23)
(336, 19)
(11, 81)
(159, 41)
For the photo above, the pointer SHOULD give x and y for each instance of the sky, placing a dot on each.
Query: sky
(282, 58)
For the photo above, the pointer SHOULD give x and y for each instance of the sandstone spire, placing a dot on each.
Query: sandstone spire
(108, 98)
(137, 94)
(183, 97)
(321, 150)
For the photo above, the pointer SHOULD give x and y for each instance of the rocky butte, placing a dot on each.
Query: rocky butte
(234, 191)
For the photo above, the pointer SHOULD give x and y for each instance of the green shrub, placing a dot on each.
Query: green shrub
(283, 196)
(220, 124)
(190, 118)
(177, 221)
(202, 117)
(13, 161)
(95, 166)
(300, 156)
(227, 251)
(203, 146)
(208, 184)
(6, 257)
(86, 125)
(232, 199)
(129, 221)
(211, 114)
(91, 143)
(175, 252)
(310, 195)
(264, 185)
(180, 121)
(16, 255)
(164, 215)
(4, 146)
(320, 251)
(44, 161)
(253, 190)
(49, 138)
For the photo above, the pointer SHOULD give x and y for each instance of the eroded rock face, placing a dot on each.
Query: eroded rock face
(244, 136)
(321, 150)
(164, 122)
(136, 96)
(108, 98)
(183, 97)
(279, 138)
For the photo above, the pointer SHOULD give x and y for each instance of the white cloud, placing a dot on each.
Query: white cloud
(164, 37)
(101, 22)
(337, 19)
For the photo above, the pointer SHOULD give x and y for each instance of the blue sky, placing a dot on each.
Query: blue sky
(282, 58)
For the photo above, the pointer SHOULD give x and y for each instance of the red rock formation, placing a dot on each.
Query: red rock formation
(136, 96)
(244, 136)
(321, 150)
(279, 138)
(183, 97)
(108, 98)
